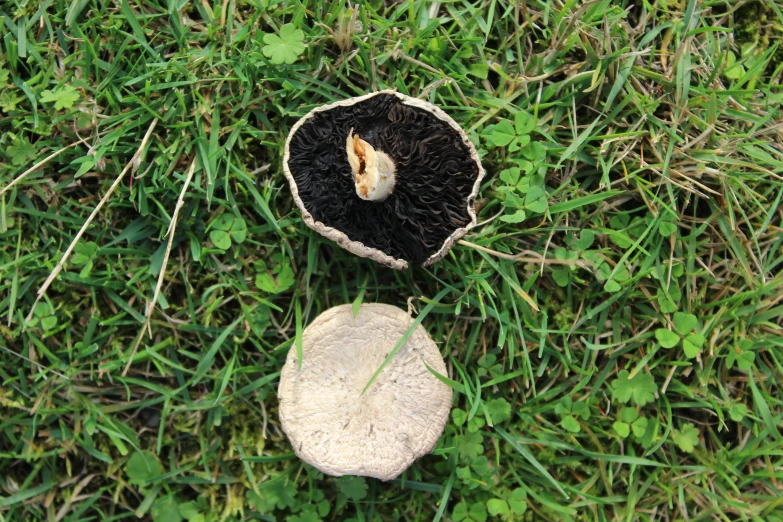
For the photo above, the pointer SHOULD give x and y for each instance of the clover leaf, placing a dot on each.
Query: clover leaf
(623, 429)
(640, 388)
(165, 510)
(517, 501)
(43, 314)
(692, 344)
(684, 324)
(526, 177)
(8, 100)
(486, 361)
(517, 217)
(502, 134)
(519, 142)
(564, 406)
(511, 199)
(476, 513)
(570, 410)
(630, 421)
(741, 355)
(668, 299)
(738, 411)
(259, 502)
(276, 278)
(354, 488)
(280, 493)
(83, 256)
(475, 424)
(142, 466)
(581, 409)
(565, 254)
(510, 176)
(470, 445)
(498, 507)
(193, 511)
(286, 46)
(21, 151)
(524, 123)
(687, 437)
(733, 70)
(481, 466)
(561, 276)
(307, 515)
(569, 423)
(499, 410)
(534, 152)
(536, 200)
(459, 416)
(515, 136)
(63, 97)
(667, 228)
(228, 228)
(585, 241)
(667, 338)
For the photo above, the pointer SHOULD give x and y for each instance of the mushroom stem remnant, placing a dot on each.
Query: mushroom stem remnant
(373, 170)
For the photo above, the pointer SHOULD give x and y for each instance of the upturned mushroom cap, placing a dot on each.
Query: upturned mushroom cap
(386, 176)
(335, 428)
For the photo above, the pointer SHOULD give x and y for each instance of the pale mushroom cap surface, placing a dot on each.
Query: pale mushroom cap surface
(335, 428)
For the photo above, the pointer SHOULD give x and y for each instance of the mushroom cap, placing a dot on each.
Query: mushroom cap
(335, 428)
(438, 173)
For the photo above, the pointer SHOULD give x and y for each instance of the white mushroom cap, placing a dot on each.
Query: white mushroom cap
(335, 428)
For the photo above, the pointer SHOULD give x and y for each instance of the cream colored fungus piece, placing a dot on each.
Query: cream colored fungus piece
(373, 170)
(335, 428)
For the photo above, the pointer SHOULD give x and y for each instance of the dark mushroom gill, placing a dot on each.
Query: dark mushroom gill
(435, 176)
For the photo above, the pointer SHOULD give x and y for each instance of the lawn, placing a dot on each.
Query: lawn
(611, 328)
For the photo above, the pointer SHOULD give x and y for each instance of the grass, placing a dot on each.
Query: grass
(612, 328)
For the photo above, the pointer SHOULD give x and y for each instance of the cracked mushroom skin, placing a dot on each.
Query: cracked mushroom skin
(386, 176)
(339, 430)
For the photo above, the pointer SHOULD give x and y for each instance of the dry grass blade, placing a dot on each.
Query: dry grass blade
(33, 362)
(519, 258)
(170, 233)
(37, 166)
(133, 163)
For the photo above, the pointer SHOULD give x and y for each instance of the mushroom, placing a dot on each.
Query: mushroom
(386, 176)
(338, 429)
